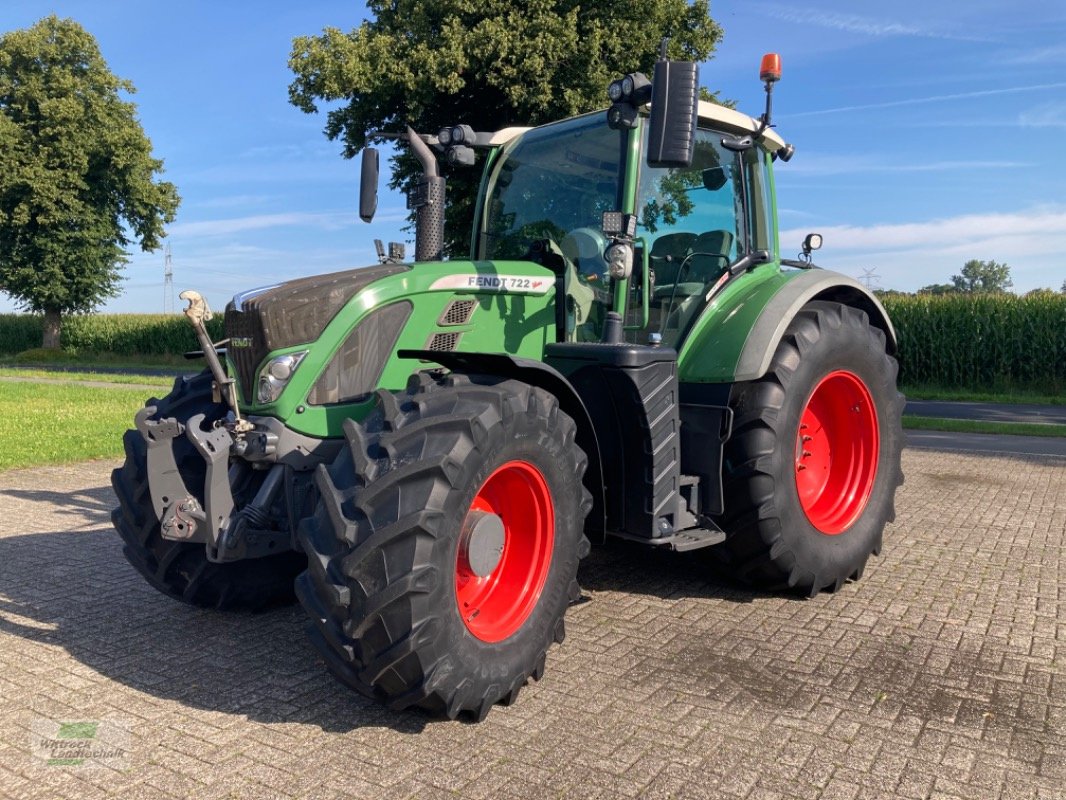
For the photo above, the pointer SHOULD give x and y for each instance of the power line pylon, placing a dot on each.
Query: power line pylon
(869, 279)
(168, 282)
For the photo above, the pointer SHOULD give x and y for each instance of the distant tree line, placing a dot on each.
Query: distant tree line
(975, 277)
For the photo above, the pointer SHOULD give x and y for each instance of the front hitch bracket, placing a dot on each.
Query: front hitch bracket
(214, 445)
(178, 511)
(181, 516)
(199, 314)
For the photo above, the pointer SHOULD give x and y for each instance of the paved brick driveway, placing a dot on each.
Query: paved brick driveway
(941, 674)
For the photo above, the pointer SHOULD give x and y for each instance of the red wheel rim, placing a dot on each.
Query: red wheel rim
(496, 605)
(836, 452)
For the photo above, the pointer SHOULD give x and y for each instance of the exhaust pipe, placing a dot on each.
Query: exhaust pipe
(427, 200)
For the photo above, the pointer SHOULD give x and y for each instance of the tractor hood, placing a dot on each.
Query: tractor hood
(275, 317)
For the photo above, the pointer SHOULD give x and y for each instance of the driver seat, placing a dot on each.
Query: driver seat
(667, 254)
(710, 256)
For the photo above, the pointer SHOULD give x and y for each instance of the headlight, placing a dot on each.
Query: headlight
(275, 375)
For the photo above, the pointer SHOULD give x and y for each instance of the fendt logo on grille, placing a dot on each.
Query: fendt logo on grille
(240, 341)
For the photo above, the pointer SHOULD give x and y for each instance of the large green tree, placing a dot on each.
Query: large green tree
(77, 177)
(982, 276)
(485, 63)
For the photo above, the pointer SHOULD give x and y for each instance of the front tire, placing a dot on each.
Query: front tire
(444, 551)
(811, 470)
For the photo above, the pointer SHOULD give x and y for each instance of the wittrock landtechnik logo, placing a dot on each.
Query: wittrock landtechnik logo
(81, 744)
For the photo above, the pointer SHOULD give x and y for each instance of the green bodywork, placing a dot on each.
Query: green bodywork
(522, 323)
(711, 351)
(516, 323)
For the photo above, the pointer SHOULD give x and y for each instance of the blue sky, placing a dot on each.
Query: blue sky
(926, 134)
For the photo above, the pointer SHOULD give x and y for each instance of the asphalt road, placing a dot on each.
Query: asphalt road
(988, 412)
(987, 443)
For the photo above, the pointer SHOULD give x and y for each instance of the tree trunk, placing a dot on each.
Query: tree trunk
(52, 324)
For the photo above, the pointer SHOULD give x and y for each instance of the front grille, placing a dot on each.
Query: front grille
(247, 346)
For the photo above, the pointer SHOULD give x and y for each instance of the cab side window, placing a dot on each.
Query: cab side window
(690, 217)
(692, 221)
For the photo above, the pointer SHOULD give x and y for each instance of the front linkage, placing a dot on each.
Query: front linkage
(266, 460)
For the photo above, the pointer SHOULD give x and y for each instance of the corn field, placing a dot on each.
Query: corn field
(129, 334)
(990, 341)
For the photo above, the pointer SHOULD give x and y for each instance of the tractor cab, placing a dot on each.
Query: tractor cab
(692, 223)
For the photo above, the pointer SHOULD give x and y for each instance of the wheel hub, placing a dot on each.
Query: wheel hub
(482, 542)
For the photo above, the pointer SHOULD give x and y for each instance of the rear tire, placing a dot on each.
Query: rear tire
(398, 610)
(811, 470)
(181, 569)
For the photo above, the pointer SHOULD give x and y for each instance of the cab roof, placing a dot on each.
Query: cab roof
(711, 113)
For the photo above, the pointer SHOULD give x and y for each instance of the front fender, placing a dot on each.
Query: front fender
(544, 376)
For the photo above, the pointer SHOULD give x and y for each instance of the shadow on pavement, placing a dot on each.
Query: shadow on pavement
(75, 590)
(638, 569)
(91, 505)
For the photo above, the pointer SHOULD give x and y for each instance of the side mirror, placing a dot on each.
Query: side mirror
(812, 242)
(368, 185)
(675, 97)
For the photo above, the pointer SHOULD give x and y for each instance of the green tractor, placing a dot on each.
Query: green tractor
(424, 451)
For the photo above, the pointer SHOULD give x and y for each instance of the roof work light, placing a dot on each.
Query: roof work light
(627, 94)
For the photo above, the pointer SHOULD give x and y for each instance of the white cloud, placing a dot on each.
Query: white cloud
(235, 201)
(226, 227)
(817, 164)
(1048, 115)
(218, 270)
(795, 213)
(914, 101)
(853, 23)
(329, 221)
(1055, 54)
(315, 149)
(910, 255)
(282, 172)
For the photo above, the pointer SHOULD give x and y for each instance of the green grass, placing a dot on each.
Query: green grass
(1023, 396)
(55, 424)
(980, 426)
(139, 378)
(50, 424)
(102, 360)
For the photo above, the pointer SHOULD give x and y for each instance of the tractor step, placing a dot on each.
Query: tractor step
(682, 541)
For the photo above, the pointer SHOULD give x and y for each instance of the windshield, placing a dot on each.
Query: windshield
(552, 182)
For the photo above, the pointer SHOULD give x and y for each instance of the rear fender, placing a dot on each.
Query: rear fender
(735, 339)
